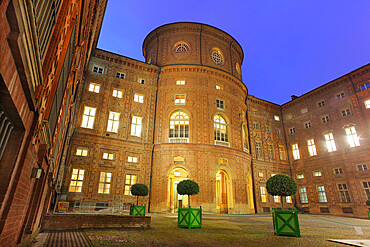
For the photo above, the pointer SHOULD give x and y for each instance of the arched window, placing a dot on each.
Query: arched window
(217, 57)
(220, 128)
(182, 47)
(179, 127)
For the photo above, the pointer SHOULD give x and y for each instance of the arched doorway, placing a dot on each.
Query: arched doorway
(175, 200)
(222, 192)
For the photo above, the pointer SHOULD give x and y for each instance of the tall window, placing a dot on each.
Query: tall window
(330, 143)
(259, 149)
(352, 137)
(311, 147)
(303, 195)
(346, 112)
(325, 119)
(220, 129)
(277, 199)
(263, 194)
(288, 199)
(296, 154)
(104, 182)
(88, 117)
(321, 194)
(93, 87)
(366, 186)
(282, 153)
(117, 93)
(179, 127)
(98, 69)
(220, 104)
(136, 127)
(139, 98)
(270, 148)
(367, 104)
(76, 180)
(343, 193)
(113, 122)
(130, 180)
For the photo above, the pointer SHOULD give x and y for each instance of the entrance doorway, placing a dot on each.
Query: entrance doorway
(175, 200)
(222, 187)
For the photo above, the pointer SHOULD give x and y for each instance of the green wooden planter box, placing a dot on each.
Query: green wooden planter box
(137, 210)
(286, 222)
(189, 217)
(368, 213)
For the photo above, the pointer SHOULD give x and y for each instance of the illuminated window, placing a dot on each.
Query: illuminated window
(179, 127)
(296, 154)
(307, 125)
(88, 117)
(182, 47)
(259, 149)
(260, 174)
(217, 57)
(277, 199)
(311, 147)
(346, 112)
(277, 118)
(367, 104)
(321, 103)
(104, 182)
(365, 86)
(366, 186)
(132, 159)
(93, 87)
(120, 75)
(113, 122)
(300, 176)
(177, 174)
(325, 119)
(219, 87)
(220, 104)
(317, 173)
(303, 195)
(281, 153)
(362, 167)
(343, 193)
(292, 131)
(180, 82)
(245, 138)
(81, 152)
(117, 93)
(76, 180)
(138, 98)
(237, 67)
(220, 129)
(321, 194)
(108, 156)
(98, 69)
(136, 126)
(330, 143)
(340, 96)
(263, 194)
(337, 170)
(352, 137)
(180, 99)
(270, 149)
(288, 199)
(130, 180)
(140, 80)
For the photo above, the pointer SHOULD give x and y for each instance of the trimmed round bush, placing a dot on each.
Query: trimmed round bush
(139, 190)
(281, 185)
(188, 187)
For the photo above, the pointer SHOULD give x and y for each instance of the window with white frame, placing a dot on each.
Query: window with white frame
(346, 112)
(220, 129)
(303, 195)
(179, 127)
(117, 93)
(263, 194)
(180, 82)
(104, 182)
(81, 152)
(367, 104)
(277, 118)
(94, 87)
(321, 194)
(281, 153)
(288, 199)
(140, 80)
(277, 199)
(311, 147)
(132, 159)
(362, 167)
(270, 149)
(340, 96)
(77, 179)
(338, 170)
(366, 187)
(352, 137)
(307, 125)
(180, 99)
(300, 176)
(98, 69)
(317, 174)
(296, 154)
(88, 117)
(325, 119)
(292, 131)
(129, 181)
(182, 47)
(139, 98)
(113, 122)
(220, 104)
(219, 87)
(330, 143)
(343, 193)
(108, 156)
(136, 126)
(259, 149)
(120, 75)
(321, 103)
(365, 86)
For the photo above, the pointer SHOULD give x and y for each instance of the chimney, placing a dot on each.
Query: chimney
(294, 97)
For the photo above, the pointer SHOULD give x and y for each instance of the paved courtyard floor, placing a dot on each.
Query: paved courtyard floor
(237, 230)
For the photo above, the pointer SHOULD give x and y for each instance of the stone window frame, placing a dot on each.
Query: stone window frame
(321, 103)
(340, 95)
(346, 111)
(105, 185)
(325, 118)
(140, 80)
(94, 87)
(311, 145)
(337, 170)
(130, 179)
(97, 69)
(181, 47)
(82, 149)
(117, 94)
(307, 125)
(220, 104)
(178, 98)
(217, 56)
(120, 75)
(78, 181)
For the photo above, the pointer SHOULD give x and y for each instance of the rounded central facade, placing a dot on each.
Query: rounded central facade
(200, 126)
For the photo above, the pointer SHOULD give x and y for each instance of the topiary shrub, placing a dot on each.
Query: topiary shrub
(188, 187)
(139, 190)
(281, 185)
(368, 203)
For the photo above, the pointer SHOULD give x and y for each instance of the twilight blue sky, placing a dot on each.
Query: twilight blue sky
(290, 46)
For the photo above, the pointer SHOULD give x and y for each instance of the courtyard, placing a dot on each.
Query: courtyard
(235, 230)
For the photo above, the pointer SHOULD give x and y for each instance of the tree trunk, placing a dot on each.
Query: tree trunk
(189, 200)
(282, 203)
(137, 200)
